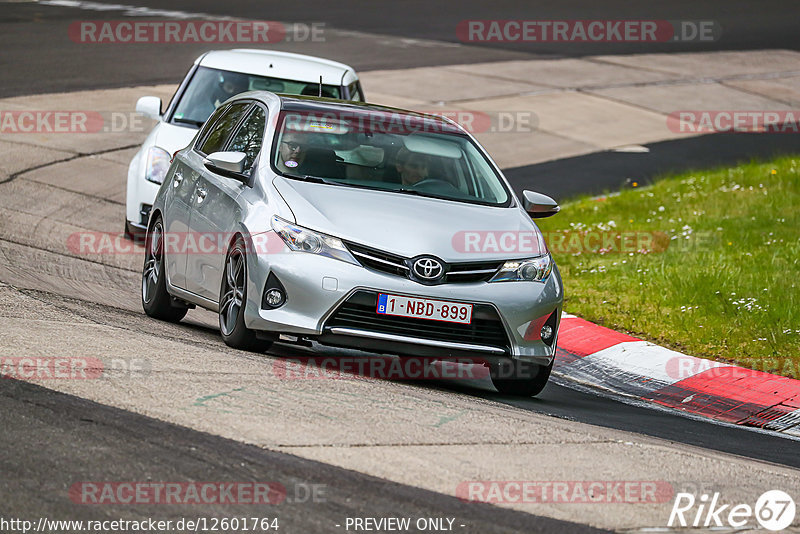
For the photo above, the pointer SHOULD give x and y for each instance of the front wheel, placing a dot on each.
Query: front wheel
(233, 296)
(515, 377)
(156, 301)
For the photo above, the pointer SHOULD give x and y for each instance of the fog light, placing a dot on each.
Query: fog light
(547, 332)
(275, 297)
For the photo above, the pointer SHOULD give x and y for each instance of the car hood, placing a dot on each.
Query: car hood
(409, 225)
(172, 137)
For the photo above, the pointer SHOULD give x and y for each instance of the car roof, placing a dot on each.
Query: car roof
(284, 65)
(312, 104)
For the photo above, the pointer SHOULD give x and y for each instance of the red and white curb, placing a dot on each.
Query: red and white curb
(596, 356)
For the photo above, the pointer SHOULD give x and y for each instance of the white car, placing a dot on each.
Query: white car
(214, 78)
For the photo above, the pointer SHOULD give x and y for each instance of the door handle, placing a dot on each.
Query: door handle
(201, 194)
(177, 178)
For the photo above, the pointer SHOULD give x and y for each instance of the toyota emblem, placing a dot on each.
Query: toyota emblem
(428, 268)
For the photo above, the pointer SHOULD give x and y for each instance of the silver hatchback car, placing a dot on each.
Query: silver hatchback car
(355, 225)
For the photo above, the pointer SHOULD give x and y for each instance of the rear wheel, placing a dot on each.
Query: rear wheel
(233, 296)
(515, 377)
(156, 301)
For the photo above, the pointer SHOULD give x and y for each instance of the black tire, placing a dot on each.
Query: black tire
(232, 300)
(525, 379)
(156, 301)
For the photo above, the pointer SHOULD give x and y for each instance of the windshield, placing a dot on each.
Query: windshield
(211, 87)
(390, 151)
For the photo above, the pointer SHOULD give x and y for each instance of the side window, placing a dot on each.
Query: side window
(208, 125)
(354, 89)
(221, 128)
(249, 137)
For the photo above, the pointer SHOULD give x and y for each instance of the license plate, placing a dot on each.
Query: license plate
(435, 310)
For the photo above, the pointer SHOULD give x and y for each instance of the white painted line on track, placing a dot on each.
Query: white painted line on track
(137, 11)
(131, 11)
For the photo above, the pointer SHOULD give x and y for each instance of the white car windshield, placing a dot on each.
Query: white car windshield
(209, 88)
(392, 151)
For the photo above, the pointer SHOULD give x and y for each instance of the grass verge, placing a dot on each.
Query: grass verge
(706, 262)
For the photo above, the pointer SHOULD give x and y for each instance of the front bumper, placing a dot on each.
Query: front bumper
(317, 287)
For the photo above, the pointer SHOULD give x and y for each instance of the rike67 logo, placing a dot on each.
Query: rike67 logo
(774, 510)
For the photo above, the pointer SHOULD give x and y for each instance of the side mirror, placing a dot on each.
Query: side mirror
(538, 205)
(149, 106)
(228, 164)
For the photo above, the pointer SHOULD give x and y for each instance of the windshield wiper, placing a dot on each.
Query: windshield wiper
(405, 191)
(307, 178)
(188, 121)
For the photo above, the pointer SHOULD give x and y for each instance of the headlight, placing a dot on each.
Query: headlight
(305, 240)
(157, 164)
(532, 270)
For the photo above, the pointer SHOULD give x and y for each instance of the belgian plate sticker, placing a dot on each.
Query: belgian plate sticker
(419, 308)
(382, 303)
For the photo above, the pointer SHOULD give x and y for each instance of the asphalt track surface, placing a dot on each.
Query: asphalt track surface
(72, 436)
(601, 172)
(47, 435)
(37, 56)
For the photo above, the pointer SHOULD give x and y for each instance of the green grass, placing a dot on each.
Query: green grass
(727, 285)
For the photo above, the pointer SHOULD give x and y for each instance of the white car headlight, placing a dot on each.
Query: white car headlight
(531, 270)
(158, 161)
(305, 240)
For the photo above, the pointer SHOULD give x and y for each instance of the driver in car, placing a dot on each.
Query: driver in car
(411, 166)
(291, 153)
(228, 85)
(297, 156)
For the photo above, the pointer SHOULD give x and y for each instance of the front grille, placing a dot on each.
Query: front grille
(455, 273)
(472, 272)
(379, 260)
(358, 311)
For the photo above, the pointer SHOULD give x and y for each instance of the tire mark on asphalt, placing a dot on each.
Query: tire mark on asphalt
(51, 299)
(75, 156)
(64, 254)
(81, 193)
(17, 174)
